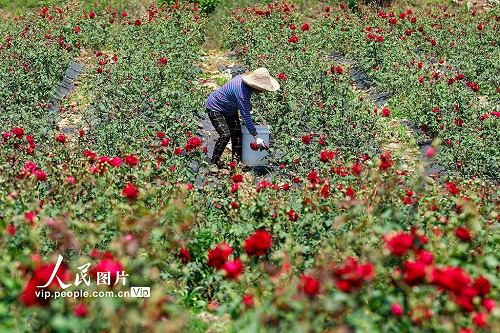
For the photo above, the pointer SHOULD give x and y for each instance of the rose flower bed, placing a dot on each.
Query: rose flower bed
(342, 238)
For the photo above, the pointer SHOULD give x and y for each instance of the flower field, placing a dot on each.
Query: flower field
(105, 189)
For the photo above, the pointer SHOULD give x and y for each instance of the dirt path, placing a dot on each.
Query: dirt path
(398, 138)
(76, 101)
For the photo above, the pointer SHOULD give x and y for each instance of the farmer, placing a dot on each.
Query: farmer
(222, 108)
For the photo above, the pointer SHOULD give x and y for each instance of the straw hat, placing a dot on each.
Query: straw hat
(260, 79)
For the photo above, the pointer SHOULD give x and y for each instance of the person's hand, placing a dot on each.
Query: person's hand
(261, 144)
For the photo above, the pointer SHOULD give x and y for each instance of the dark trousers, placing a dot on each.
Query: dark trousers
(228, 128)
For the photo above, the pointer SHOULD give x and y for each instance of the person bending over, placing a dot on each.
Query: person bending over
(223, 105)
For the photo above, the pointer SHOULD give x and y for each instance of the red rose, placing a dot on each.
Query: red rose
(325, 191)
(61, 138)
(108, 255)
(94, 253)
(351, 275)
(292, 215)
(108, 265)
(11, 229)
(480, 319)
(130, 191)
(30, 217)
(452, 188)
(219, 255)
(91, 15)
(258, 243)
(399, 244)
(80, 310)
(115, 161)
(489, 304)
(451, 278)
(425, 257)
(193, 143)
(343, 285)
(212, 306)
(184, 255)
(18, 132)
(104, 159)
(459, 122)
(178, 151)
(484, 116)
(430, 152)
(396, 309)
(131, 160)
(482, 286)
(306, 139)
(414, 272)
(30, 167)
(90, 154)
(248, 301)
(407, 200)
(165, 142)
(237, 178)
(313, 178)
(293, 39)
(233, 269)
(163, 61)
(326, 155)
(464, 234)
(465, 298)
(366, 271)
(305, 27)
(385, 161)
(309, 285)
(357, 169)
(138, 23)
(40, 277)
(40, 175)
(350, 192)
(386, 112)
